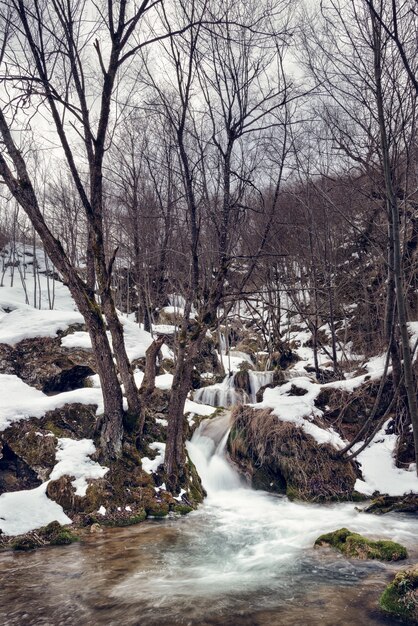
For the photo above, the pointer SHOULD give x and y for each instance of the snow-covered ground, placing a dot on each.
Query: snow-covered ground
(26, 510)
(22, 511)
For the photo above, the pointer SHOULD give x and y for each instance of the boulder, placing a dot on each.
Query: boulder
(355, 545)
(400, 597)
(279, 456)
(42, 362)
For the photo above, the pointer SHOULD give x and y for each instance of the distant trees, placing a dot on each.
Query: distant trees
(47, 62)
(355, 53)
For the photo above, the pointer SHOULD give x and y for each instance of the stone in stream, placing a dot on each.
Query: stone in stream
(354, 545)
(400, 597)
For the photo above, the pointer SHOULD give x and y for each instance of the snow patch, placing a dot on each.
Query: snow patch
(74, 460)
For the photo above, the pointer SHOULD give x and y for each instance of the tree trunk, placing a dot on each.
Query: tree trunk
(408, 372)
(175, 456)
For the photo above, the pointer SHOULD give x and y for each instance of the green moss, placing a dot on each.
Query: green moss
(355, 545)
(57, 535)
(196, 490)
(55, 430)
(182, 509)
(400, 598)
(154, 508)
(25, 543)
(356, 496)
(137, 518)
(292, 493)
(64, 538)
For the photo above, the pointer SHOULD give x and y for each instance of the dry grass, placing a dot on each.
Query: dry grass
(283, 457)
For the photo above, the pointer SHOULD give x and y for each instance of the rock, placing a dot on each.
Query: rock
(400, 597)
(15, 473)
(76, 421)
(387, 504)
(57, 535)
(25, 543)
(43, 363)
(96, 528)
(29, 451)
(279, 457)
(355, 545)
(62, 492)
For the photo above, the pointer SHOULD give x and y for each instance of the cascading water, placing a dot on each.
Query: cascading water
(244, 557)
(220, 394)
(207, 450)
(226, 393)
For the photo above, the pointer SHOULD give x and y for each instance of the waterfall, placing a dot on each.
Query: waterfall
(221, 394)
(207, 450)
(258, 380)
(226, 394)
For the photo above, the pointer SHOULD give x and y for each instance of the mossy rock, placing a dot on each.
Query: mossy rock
(355, 545)
(182, 509)
(279, 456)
(25, 543)
(57, 535)
(400, 597)
(154, 508)
(118, 520)
(387, 504)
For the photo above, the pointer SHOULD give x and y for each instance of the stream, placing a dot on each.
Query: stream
(244, 558)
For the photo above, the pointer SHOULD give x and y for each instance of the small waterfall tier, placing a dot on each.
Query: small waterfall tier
(231, 390)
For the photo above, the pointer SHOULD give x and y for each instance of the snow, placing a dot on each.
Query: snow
(102, 510)
(164, 381)
(27, 323)
(74, 460)
(234, 359)
(79, 339)
(20, 401)
(137, 340)
(151, 465)
(379, 470)
(23, 511)
(299, 409)
(198, 409)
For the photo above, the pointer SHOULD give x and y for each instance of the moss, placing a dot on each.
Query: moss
(355, 545)
(64, 538)
(25, 543)
(154, 508)
(400, 596)
(356, 496)
(196, 490)
(57, 535)
(182, 509)
(131, 520)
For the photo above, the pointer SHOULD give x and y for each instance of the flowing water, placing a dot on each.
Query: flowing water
(245, 558)
(227, 394)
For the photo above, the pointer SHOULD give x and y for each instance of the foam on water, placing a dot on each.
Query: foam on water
(245, 541)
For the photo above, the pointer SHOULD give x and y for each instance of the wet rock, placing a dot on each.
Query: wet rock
(279, 457)
(355, 545)
(51, 535)
(396, 504)
(32, 447)
(400, 597)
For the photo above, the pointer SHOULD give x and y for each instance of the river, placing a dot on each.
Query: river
(245, 558)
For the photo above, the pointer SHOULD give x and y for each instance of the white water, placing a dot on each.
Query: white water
(226, 394)
(244, 558)
(243, 544)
